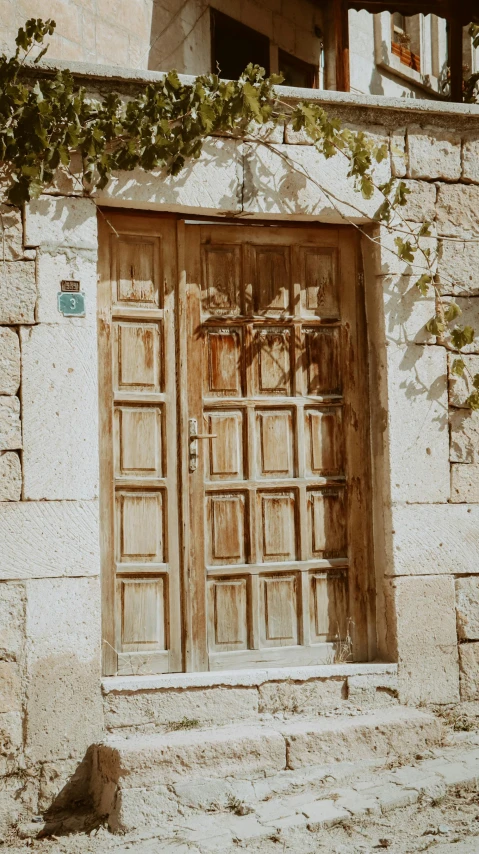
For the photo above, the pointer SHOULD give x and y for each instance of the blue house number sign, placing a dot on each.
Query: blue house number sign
(71, 301)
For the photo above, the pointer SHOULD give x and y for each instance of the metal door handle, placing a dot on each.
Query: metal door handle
(193, 437)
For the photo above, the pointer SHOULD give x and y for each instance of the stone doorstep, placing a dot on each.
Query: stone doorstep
(126, 766)
(362, 791)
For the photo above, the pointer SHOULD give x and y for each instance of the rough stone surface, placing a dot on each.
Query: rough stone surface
(63, 703)
(456, 211)
(305, 697)
(141, 808)
(11, 740)
(155, 708)
(286, 180)
(465, 483)
(464, 428)
(433, 539)
(387, 261)
(461, 387)
(324, 813)
(457, 267)
(42, 539)
(18, 292)
(469, 663)
(10, 426)
(372, 690)
(470, 317)
(467, 608)
(398, 731)
(405, 313)
(426, 648)
(418, 444)
(60, 404)
(10, 687)
(236, 750)
(11, 220)
(54, 266)
(10, 476)
(211, 184)
(398, 153)
(421, 203)
(56, 221)
(12, 620)
(9, 361)
(470, 159)
(433, 153)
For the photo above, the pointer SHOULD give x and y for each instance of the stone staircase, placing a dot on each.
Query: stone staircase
(254, 776)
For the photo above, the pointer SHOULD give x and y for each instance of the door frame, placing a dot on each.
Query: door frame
(192, 596)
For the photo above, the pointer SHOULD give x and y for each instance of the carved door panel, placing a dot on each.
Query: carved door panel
(279, 541)
(138, 445)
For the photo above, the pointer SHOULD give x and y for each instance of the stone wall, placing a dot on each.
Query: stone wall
(50, 701)
(425, 443)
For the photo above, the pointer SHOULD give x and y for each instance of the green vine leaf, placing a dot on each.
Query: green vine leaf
(458, 367)
(435, 326)
(462, 336)
(452, 312)
(423, 283)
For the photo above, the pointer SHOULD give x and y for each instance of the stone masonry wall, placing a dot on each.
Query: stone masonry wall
(50, 703)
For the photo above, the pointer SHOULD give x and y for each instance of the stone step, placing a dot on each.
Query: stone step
(148, 703)
(134, 777)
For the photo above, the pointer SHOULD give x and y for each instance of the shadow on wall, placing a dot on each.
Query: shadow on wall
(72, 809)
(178, 39)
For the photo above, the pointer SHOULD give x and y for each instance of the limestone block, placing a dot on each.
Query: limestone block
(18, 292)
(9, 361)
(11, 225)
(301, 697)
(63, 702)
(464, 430)
(42, 539)
(60, 405)
(382, 732)
(58, 221)
(406, 312)
(386, 258)
(140, 808)
(428, 539)
(470, 159)
(10, 687)
(465, 483)
(10, 426)
(211, 184)
(418, 444)
(12, 620)
(10, 476)
(461, 387)
(238, 750)
(469, 663)
(457, 207)
(155, 708)
(270, 132)
(10, 810)
(11, 737)
(54, 266)
(372, 690)
(398, 153)
(458, 266)
(421, 202)
(425, 621)
(470, 317)
(467, 607)
(433, 153)
(289, 180)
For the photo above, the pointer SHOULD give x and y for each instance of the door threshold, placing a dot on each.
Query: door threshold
(243, 678)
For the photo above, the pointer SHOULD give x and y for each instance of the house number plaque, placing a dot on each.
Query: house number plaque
(71, 301)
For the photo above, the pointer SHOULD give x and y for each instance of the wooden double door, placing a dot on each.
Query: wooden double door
(235, 520)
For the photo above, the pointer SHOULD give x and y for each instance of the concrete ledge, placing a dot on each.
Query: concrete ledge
(249, 678)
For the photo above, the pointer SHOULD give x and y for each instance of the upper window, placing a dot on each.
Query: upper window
(296, 72)
(234, 46)
(403, 43)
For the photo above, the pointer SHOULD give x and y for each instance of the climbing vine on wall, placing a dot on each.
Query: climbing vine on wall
(45, 120)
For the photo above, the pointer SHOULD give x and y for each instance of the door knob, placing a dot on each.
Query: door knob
(193, 437)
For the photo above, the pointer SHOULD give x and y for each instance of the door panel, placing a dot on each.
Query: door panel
(139, 500)
(275, 378)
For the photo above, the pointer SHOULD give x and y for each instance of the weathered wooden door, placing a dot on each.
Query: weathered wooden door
(278, 481)
(234, 454)
(138, 445)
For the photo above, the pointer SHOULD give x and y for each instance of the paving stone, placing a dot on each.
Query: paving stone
(244, 827)
(359, 805)
(393, 797)
(324, 813)
(288, 822)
